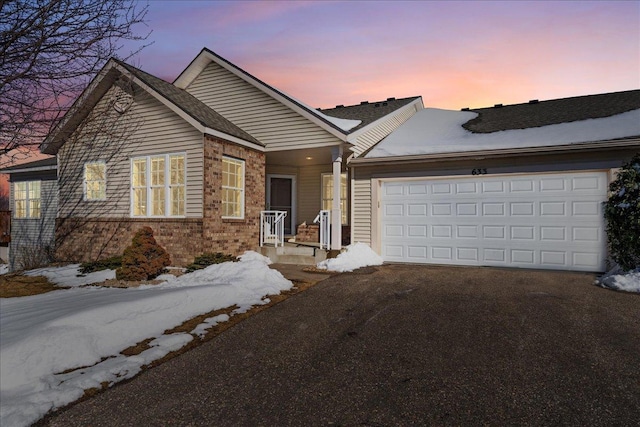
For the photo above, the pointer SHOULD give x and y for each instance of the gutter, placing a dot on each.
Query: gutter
(505, 152)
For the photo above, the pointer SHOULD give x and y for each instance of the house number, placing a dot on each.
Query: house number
(479, 171)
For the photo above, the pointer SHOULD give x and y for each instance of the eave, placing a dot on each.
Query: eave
(497, 153)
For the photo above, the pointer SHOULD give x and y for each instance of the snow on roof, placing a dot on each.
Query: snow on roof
(434, 131)
(344, 124)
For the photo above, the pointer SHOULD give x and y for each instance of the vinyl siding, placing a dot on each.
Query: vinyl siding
(377, 133)
(265, 118)
(361, 219)
(31, 237)
(310, 191)
(147, 128)
(308, 188)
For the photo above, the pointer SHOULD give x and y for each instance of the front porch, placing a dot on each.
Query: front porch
(307, 204)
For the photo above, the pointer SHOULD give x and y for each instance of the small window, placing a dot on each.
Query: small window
(158, 185)
(327, 194)
(232, 188)
(95, 181)
(26, 197)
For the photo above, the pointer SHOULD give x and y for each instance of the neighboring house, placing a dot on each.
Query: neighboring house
(200, 159)
(517, 186)
(33, 204)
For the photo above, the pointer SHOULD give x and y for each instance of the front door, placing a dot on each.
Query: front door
(281, 197)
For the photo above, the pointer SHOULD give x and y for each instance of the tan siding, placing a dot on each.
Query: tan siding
(361, 221)
(148, 128)
(373, 136)
(309, 192)
(274, 124)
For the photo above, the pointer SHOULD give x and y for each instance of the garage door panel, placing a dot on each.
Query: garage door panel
(547, 221)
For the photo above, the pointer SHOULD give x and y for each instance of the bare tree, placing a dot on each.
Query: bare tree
(49, 51)
(4, 198)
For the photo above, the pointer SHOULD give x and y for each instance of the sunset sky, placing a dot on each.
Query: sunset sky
(455, 54)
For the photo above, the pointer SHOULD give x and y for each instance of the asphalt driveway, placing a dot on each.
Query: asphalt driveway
(404, 345)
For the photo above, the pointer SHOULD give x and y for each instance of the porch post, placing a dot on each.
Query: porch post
(336, 217)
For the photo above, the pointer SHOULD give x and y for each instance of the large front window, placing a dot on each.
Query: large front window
(26, 197)
(232, 188)
(327, 194)
(158, 185)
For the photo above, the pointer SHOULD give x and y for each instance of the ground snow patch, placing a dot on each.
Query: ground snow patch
(357, 255)
(621, 281)
(70, 276)
(58, 344)
(4, 269)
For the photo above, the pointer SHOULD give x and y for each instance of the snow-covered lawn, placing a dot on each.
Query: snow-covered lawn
(621, 281)
(58, 344)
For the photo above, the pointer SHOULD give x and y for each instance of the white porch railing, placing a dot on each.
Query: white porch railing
(324, 218)
(272, 227)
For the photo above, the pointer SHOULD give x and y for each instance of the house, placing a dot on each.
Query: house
(510, 186)
(219, 160)
(33, 206)
(203, 161)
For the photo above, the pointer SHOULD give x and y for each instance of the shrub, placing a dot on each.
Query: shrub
(622, 213)
(208, 259)
(144, 259)
(104, 264)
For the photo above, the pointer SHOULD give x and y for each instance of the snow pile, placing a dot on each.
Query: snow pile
(432, 131)
(357, 255)
(4, 269)
(70, 277)
(81, 331)
(621, 281)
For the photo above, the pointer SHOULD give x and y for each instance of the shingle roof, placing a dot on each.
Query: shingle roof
(367, 112)
(190, 104)
(543, 113)
(43, 163)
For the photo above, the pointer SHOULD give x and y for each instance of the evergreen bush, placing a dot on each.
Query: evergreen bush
(622, 213)
(103, 264)
(144, 259)
(208, 259)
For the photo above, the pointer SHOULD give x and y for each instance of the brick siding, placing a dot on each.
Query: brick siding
(89, 239)
(232, 236)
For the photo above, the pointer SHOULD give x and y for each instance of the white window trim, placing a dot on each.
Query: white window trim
(244, 186)
(167, 186)
(84, 181)
(27, 201)
(344, 212)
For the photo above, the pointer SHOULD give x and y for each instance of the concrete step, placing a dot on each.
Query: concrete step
(294, 254)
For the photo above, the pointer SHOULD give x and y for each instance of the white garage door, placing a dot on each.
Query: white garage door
(550, 221)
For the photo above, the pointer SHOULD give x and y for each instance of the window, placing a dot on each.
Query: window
(26, 196)
(158, 185)
(232, 188)
(327, 194)
(95, 181)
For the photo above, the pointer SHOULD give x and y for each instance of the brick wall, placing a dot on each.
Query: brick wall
(88, 239)
(232, 236)
(308, 233)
